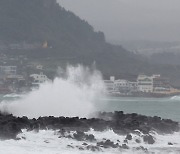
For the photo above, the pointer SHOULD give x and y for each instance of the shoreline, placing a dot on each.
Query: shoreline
(118, 121)
(145, 95)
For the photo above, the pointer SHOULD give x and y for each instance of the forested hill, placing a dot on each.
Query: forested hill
(44, 20)
(66, 35)
(42, 29)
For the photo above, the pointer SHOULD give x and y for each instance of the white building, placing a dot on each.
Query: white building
(112, 78)
(7, 70)
(15, 77)
(39, 78)
(161, 85)
(39, 67)
(109, 85)
(133, 86)
(145, 83)
(122, 86)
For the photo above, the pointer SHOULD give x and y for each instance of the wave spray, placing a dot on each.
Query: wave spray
(74, 94)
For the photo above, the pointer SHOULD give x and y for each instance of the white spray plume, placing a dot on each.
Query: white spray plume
(73, 95)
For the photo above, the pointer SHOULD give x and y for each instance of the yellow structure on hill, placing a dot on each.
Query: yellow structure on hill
(45, 44)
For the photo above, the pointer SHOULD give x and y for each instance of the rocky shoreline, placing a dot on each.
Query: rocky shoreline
(119, 122)
(76, 128)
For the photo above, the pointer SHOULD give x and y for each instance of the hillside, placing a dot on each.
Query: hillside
(32, 22)
(46, 32)
(36, 21)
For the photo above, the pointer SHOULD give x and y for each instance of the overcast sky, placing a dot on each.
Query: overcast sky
(130, 19)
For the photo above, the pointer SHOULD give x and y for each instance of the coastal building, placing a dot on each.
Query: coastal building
(39, 78)
(133, 85)
(109, 85)
(7, 70)
(122, 86)
(13, 78)
(15, 82)
(154, 84)
(112, 78)
(39, 67)
(145, 83)
(161, 85)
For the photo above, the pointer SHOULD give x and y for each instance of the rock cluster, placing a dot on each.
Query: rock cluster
(119, 122)
(81, 136)
(124, 123)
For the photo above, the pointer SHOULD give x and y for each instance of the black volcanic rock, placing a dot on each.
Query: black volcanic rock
(10, 130)
(169, 143)
(138, 141)
(10, 125)
(81, 136)
(148, 139)
(124, 123)
(124, 146)
(107, 144)
(145, 150)
(129, 137)
(93, 148)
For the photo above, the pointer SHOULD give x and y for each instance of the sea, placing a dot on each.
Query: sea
(167, 108)
(47, 141)
(79, 91)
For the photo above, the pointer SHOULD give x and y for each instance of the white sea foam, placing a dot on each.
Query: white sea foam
(74, 94)
(175, 98)
(48, 142)
(12, 95)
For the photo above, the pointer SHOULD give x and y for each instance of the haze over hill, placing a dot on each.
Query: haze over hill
(46, 32)
(146, 27)
(127, 20)
(67, 36)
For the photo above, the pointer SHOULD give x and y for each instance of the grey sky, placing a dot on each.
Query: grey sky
(130, 19)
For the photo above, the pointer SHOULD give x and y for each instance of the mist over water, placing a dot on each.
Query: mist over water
(74, 93)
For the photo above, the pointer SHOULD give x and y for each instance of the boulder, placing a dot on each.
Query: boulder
(129, 137)
(124, 146)
(93, 148)
(145, 150)
(81, 136)
(10, 130)
(148, 139)
(137, 141)
(169, 143)
(107, 144)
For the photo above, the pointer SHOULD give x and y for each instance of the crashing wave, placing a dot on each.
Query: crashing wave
(175, 98)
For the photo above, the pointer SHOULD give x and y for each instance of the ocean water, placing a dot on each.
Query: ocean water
(48, 141)
(168, 108)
